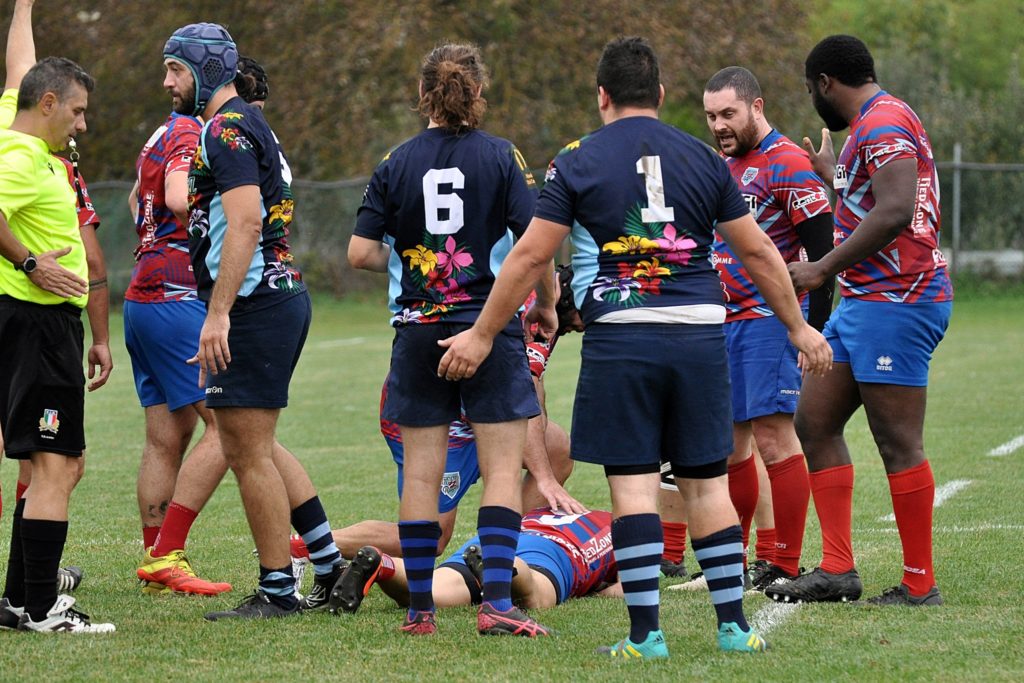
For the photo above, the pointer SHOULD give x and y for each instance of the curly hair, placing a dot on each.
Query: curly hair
(844, 58)
(453, 78)
(251, 81)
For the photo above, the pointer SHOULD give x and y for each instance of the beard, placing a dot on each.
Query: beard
(186, 102)
(746, 139)
(834, 121)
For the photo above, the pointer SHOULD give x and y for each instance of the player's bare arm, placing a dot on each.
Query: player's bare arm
(133, 202)
(823, 160)
(176, 195)
(521, 272)
(543, 311)
(100, 362)
(21, 49)
(893, 186)
(245, 226)
(48, 274)
(768, 271)
(367, 254)
(537, 461)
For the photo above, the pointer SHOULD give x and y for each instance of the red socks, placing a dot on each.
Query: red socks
(149, 536)
(764, 547)
(791, 494)
(913, 495)
(833, 501)
(675, 541)
(743, 491)
(387, 568)
(174, 532)
(19, 491)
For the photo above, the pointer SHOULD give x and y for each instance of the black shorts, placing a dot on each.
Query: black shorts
(266, 340)
(42, 385)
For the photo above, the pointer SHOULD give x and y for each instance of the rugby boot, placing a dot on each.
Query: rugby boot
(653, 647)
(491, 622)
(63, 618)
(900, 595)
(256, 606)
(818, 586)
(174, 571)
(356, 581)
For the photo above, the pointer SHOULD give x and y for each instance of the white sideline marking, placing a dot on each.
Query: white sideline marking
(942, 494)
(955, 529)
(1008, 447)
(338, 343)
(770, 616)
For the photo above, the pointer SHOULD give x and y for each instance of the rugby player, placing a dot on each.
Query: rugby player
(559, 556)
(645, 199)
(440, 213)
(896, 302)
(258, 312)
(790, 204)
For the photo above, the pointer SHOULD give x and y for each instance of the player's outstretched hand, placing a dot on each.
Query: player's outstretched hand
(559, 499)
(466, 351)
(55, 278)
(99, 357)
(213, 355)
(806, 275)
(815, 357)
(823, 161)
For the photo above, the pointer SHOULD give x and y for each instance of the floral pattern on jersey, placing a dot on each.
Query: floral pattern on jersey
(229, 136)
(652, 253)
(439, 267)
(280, 274)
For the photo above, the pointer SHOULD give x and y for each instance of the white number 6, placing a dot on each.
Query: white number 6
(433, 201)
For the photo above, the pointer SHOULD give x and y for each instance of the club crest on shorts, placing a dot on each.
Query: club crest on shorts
(49, 422)
(450, 483)
(749, 175)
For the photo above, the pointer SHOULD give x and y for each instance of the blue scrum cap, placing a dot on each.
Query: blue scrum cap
(210, 54)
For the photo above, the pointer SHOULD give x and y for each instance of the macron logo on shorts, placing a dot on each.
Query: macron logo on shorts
(884, 364)
(214, 390)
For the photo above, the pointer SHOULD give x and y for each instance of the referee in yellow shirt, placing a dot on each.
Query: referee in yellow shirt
(41, 380)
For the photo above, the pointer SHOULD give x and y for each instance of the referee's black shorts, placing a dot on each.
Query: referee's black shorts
(42, 385)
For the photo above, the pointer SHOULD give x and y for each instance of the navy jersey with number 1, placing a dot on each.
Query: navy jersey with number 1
(449, 204)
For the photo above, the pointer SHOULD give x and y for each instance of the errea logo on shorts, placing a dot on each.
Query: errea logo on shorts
(214, 390)
(884, 364)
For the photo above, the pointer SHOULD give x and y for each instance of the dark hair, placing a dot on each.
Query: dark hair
(53, 74)
(629, 73)
(453, 75)
(251, 80)
(844, 58)
(737, 78)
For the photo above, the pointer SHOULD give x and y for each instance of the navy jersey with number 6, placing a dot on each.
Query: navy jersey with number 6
(449, 204)
(642, 199)
(238, 148)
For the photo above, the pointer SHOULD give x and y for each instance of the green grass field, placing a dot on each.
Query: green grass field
(976, 404)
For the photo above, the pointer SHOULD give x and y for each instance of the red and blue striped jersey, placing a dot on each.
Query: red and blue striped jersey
(86, 213)
(586, 539)
(162, 270)
(781, 190)
(910, 269)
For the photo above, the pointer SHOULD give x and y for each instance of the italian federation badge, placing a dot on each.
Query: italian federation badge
(49, 422)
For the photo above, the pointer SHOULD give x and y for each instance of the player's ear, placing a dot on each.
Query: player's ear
(604, 100)
(758, 106)
(661, 95)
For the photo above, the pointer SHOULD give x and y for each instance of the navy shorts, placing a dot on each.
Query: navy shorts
(461, 470)
(762, 367)
(540, 554)
(500, 391)
(887, 343)
(265, 343)
(160, 338)
(651, 393)
(42, 386)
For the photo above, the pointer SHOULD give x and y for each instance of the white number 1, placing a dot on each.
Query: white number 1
(434, 201)
(656, 211)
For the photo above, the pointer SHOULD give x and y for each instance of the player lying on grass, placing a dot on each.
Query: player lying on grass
(559, 556)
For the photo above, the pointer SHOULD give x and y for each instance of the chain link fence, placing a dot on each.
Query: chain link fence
(982, 209)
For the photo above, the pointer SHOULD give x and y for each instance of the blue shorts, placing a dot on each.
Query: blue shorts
(540, 554)
(461, 470)
(652, 393)
(762, 367)
(160, 337)
(500, 391)
(265, 342)
(887, 343)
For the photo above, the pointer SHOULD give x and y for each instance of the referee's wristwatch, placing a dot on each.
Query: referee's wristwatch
(28, 265)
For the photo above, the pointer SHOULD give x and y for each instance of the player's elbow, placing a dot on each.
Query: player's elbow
(179, 207)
